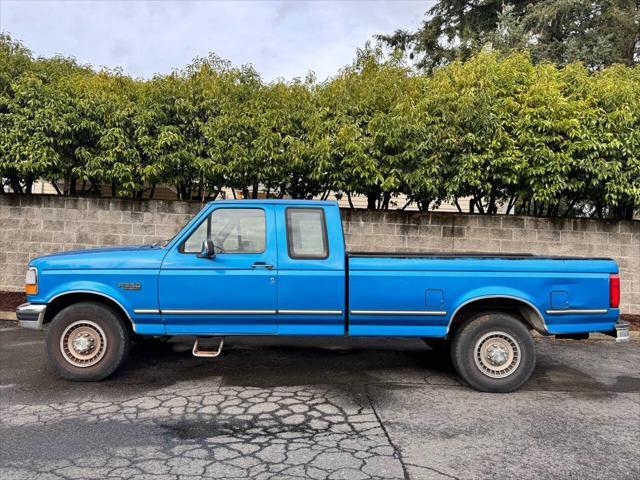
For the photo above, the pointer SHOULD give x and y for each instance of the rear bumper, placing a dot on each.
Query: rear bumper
(31, 315)
(622, 331)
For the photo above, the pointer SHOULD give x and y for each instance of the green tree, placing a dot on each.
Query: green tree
(178, 108)
(290, 140)
(469, 112)
(595, 32)
(43, 127)
(230, 134)
(502, 131)
(366, 154)
(606, 142)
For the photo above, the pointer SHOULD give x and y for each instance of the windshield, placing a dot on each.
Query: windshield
(167, 241)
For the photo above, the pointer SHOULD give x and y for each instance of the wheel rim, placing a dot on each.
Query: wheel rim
(83, 343)
(497, 354)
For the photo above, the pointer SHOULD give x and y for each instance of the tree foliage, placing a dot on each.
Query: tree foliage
(489, 133)
(595, 32)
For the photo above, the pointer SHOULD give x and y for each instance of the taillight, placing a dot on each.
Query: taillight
(614, 290)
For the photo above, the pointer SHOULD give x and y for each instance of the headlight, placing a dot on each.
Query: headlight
(31, 281)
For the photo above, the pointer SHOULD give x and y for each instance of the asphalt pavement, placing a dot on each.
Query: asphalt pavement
(291, 408)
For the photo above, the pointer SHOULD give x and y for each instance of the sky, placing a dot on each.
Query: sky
(281, 39)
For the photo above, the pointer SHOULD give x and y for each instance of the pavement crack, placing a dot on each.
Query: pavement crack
(433, 470)
(396, 449)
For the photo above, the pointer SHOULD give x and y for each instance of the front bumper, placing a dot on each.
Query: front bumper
(31, 315)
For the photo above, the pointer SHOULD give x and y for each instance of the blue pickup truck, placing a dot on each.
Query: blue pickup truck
(280, 267)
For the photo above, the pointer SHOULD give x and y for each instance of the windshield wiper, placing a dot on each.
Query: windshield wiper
(159, 243)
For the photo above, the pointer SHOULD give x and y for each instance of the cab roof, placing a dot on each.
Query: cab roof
(276, 201)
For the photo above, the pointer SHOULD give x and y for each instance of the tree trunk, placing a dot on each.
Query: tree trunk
(55, 186)
(625, 211)
(28, 185)
(386, 198)
(512, 203)
(350, 200)
(457, 204)
(599, 210)
(372, 199)
(409, 203)
(16, 186)
(491, 207)
(423, 204)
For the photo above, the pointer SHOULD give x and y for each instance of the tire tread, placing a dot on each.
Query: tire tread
(109, 320)
(462, 351)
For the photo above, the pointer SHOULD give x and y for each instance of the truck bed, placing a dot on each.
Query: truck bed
(417, 294)
(469, 255)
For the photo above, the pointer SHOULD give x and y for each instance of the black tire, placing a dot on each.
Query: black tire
(489, 337)
(106, 339)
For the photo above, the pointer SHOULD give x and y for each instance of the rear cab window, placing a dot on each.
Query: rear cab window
(306, 233)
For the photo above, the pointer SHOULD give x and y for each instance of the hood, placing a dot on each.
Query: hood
(133, 256)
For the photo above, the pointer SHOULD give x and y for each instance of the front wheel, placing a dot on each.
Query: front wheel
(494, 352)
(87, 342)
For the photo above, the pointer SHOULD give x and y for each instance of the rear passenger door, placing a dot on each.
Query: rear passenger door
(311, 276)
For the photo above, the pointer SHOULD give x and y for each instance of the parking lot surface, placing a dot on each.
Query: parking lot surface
(291, 408)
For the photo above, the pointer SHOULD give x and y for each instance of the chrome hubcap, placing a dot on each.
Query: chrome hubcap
(83, 343)
(497, 354)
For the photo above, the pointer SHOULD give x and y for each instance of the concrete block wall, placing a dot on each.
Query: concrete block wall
(31, 226)
(34, 225)
(399, 231)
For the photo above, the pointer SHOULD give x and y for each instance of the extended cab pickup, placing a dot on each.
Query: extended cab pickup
(279, 267)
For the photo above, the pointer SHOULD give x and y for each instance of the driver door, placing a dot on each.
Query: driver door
(234, 292)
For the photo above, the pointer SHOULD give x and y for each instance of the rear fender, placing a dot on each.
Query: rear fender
(529, 310)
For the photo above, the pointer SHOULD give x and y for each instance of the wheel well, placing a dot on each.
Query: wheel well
(63, 301)
(522, 310)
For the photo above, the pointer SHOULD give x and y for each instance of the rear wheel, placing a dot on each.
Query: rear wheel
(494, 352)
(87, 342)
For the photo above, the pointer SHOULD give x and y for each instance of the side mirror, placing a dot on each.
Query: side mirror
(208, 249)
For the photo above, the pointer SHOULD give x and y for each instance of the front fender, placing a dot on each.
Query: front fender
(112, 287)
(95, 288)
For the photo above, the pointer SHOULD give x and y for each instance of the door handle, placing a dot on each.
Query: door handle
(264, 265)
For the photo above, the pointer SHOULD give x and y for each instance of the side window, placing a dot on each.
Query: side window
(306, 233)
(233, 230)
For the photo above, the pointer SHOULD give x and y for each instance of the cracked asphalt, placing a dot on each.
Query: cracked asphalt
(292, 408)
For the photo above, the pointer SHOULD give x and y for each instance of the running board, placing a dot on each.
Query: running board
(207, 353)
